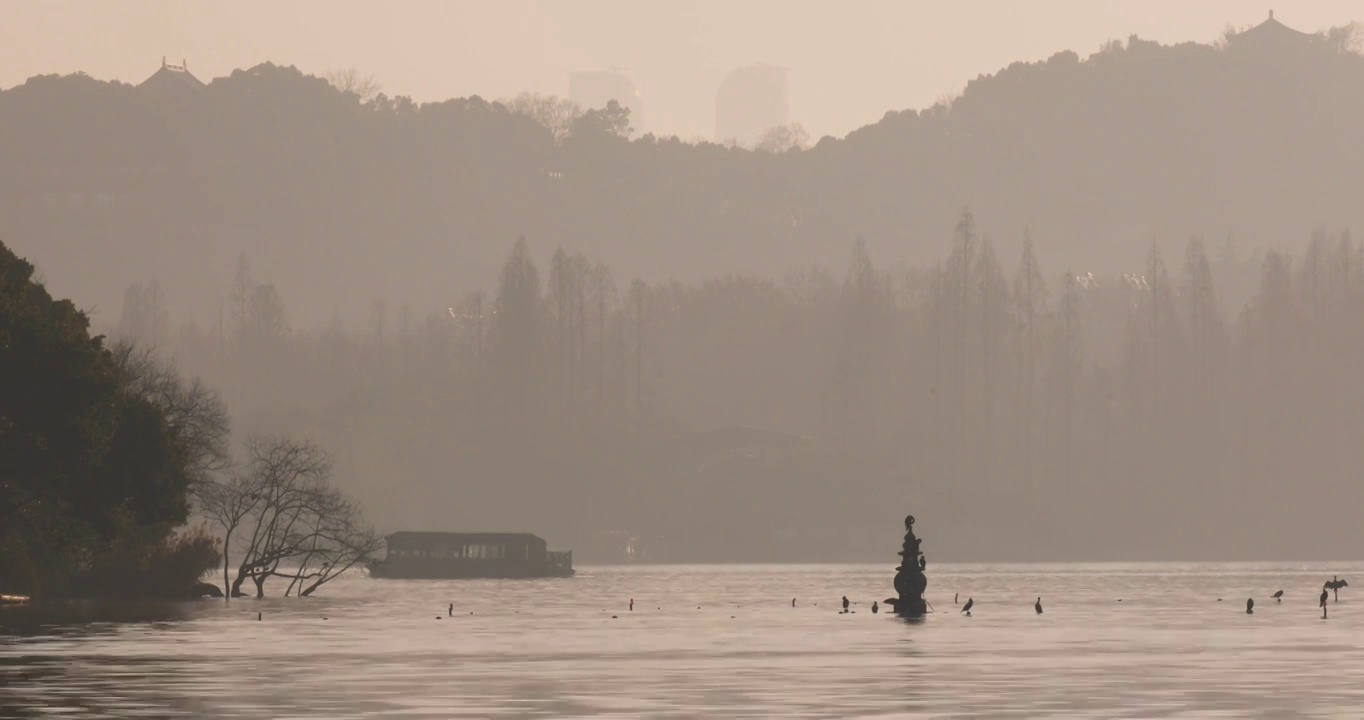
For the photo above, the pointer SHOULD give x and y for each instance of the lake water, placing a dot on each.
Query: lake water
(717, 641)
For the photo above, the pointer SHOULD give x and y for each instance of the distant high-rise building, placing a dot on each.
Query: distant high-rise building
(592, 89)
(751, 101)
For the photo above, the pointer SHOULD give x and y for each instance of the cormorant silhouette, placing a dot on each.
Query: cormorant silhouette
(1250, 606)
(1335, 584)
(1278, 596)
(875, 608)
(970, 602)
(1038, 606)
(845, 603)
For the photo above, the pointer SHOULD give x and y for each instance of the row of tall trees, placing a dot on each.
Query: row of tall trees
(1031, 412)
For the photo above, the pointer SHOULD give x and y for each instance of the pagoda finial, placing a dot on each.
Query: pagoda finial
(1271, 14)
(163, 61)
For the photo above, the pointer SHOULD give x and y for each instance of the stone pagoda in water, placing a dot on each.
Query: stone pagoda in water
(910, 580)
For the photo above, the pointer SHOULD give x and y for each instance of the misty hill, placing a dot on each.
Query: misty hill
(344, 200)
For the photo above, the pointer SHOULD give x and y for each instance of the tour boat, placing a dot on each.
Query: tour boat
(443, 555)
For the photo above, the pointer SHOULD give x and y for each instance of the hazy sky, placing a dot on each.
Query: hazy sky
(850, 61)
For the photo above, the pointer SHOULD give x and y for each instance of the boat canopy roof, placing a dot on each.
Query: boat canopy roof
(449, 538)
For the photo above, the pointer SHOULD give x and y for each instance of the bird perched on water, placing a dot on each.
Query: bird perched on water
(1324, 597)
(1278, 596)
(970, 602)
(875, 608)
(845, 603)
(1038, 606)
(1250, 606)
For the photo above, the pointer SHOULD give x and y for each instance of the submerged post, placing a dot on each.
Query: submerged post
(910, 580)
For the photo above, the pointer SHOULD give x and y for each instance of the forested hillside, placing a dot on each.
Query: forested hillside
(1140, 339)
(350, 200)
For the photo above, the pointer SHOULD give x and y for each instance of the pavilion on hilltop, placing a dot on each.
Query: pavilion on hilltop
(172, 78)
(1272, 37)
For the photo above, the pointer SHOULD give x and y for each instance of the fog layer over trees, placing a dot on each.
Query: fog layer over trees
(348, 195)
(1032, 413)
(1139, 348)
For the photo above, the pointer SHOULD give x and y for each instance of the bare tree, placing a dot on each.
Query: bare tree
(227, 504)
(336, 541)
(195, 413)
(556, 114)
(286, 512)
(1344, 39)
(350, 82)
(783, 138)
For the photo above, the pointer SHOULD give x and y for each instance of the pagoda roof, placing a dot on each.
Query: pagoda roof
(172, 77)
(1272, 31)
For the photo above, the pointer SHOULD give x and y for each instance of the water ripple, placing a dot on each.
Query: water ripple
(711, 641)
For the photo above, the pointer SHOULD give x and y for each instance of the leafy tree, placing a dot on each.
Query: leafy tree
(90, 466)
(612, 121)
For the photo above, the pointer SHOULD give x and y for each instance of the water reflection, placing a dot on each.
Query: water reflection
(95, 687)
(553, 649)
(88, 617)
